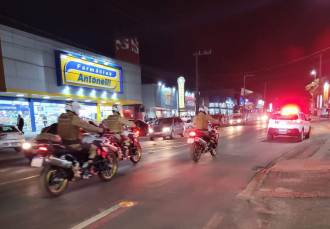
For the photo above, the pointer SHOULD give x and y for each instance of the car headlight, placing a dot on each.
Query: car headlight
(151, 130)
(231, 121)
(166, 129)
(26, 145)
(239, 120)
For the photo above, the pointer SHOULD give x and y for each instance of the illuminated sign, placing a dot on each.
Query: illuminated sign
(326, 92)
(76, 70)
(181, 81)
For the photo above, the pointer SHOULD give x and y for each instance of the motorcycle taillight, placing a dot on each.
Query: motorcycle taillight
(192, 134)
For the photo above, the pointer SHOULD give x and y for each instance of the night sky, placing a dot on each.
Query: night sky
(244, 36)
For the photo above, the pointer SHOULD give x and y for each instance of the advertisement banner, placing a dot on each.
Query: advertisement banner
(127, 49)
(326, 92)
(181, 81)
(190, 102)
(76, 70)
(168, 97)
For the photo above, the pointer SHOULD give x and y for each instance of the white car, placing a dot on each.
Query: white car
(189, 125)
(186, 117)
(289, 125)
(11, 137)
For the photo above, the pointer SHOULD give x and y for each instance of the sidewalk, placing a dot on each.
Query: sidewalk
(295, 191)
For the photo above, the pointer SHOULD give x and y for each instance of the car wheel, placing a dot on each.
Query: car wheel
(308, 134)
(302, 135)
(270, 137)
(172, 135)
(152, 139)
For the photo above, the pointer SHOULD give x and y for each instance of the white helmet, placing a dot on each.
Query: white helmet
(204, 109)
(73, 106)
(116, 108)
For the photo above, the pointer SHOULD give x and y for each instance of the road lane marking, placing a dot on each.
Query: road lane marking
(13, 181)
(4, 170)
(162, 149)
(107, 215)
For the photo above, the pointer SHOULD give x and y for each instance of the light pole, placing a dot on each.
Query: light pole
(265, 94)
(199, 53)
(244, 93)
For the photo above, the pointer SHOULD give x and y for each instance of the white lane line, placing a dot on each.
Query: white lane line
(167, 148)
(214, 221)
(96, 218)
(13, 181)
(4, 170)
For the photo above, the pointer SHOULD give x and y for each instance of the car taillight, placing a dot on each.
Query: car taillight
(192, 134)
(2, 134)
(43, 149)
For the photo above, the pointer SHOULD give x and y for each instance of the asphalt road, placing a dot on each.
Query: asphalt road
(164, 190)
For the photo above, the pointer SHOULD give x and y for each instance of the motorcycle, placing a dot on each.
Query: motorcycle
(201, 144)
(64, 164)
(134, 151)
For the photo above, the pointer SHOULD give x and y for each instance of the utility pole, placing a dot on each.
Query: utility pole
(199, 53)
(244, 94)
(265, 94)
(320, 91)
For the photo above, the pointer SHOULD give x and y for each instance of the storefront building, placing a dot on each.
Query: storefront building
(38, 75)
(219, 101)
(159, 101)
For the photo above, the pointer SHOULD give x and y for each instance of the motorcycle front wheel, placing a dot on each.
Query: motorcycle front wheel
(51, 182)
(195, 152)
(109, 167)
(135, 158)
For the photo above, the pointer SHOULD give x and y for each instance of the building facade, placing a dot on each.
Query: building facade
(38, 75)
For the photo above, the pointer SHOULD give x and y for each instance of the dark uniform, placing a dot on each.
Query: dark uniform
(69, 126)
(114, 124)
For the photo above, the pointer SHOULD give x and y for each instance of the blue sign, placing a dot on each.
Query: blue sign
(8, 107)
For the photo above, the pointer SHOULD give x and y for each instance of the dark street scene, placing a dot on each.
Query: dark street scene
(164, 114)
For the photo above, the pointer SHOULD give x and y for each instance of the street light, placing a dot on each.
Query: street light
(314, 73)
(159, 84)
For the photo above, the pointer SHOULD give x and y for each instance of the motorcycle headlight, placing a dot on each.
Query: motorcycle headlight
(166, 129)
(26, 145)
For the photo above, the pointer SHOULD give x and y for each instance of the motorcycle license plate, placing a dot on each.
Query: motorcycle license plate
(37, 162)
(190, 140)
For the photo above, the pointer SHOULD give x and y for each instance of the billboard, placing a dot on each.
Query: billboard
(326, 92)
(190, 102)
(181, 81)
(77, 70)
(168, 97)
(127, 49)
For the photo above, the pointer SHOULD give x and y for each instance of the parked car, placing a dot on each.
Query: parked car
(167, 127)
(144, 127)
(11, 137)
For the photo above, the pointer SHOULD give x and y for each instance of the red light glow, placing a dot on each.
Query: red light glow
(192, 134)
(43, 149)
(289, 110)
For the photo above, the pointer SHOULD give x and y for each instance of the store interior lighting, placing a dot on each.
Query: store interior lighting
(68, 99)
(88, 100)
(46, 97)
(20, 95)
(117, 102)
(103, 101)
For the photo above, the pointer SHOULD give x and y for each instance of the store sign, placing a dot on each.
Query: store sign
(76, 70)
(181, 81)
(326, 92)
(190, 102)
(8, 107)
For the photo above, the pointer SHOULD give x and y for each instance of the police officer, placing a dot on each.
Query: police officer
(201, 122)
(68, 127)
(115, 122)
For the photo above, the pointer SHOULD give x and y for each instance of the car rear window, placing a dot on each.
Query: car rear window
(8, 129)
(284, 117)
(165, 121)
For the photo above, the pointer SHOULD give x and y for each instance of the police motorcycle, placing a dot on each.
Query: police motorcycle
(201, 144)
(63, 164)
(134, 151)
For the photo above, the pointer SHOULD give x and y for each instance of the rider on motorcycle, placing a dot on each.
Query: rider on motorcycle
(114, 124)
(201, 122)
(69, 126)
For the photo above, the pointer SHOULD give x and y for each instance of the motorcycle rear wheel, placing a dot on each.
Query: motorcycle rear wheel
(136, 157)
(110, 167)
(49, 183)
(215, 152)
(195, 152)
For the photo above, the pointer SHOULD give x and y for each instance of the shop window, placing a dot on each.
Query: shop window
(88, 112)
(46, 114)
(105, 111)
(9, 111)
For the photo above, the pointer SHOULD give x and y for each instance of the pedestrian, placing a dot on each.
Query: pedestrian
(20, 123)
(44, 119)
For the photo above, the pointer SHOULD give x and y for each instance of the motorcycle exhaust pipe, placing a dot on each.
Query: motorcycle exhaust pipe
(59, 162)
(201, 141)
